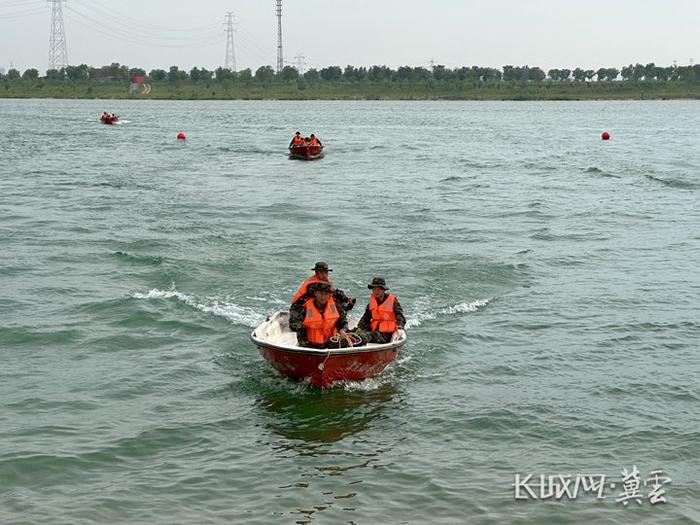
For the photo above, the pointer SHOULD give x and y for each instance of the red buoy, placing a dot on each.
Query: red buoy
(181, 136)
(605, 135)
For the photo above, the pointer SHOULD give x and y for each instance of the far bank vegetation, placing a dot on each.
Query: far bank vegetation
(376, 82)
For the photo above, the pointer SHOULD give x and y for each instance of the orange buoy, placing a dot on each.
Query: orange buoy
(605, 135)
(181, 136)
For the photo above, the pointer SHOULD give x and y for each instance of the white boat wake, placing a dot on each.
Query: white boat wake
(461, 308)
(226, 309)
(250, 317)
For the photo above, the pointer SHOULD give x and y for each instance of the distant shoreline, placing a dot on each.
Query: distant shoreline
(344, 90)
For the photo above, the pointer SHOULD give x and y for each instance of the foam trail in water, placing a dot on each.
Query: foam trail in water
(461, 308)
(272, 300)
(228, 310)
(366, 385)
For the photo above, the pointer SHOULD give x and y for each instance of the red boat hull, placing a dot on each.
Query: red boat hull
(324, 369)
(109, 120)
(306, 152)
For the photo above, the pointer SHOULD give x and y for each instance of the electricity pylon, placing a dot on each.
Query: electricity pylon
(230, 62)
(300, 61)
(58, 56)
(280, 56)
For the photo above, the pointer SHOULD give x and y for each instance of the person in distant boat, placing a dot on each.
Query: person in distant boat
(321, 271)
(383, 315)
(313, 141)
(318, 321)
(297, 140)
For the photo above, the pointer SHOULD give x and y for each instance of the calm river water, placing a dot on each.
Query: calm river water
(550, 280)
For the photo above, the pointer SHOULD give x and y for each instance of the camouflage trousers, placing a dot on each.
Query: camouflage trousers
(372, 336)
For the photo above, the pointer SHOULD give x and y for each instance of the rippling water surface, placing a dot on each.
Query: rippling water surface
(550, 280)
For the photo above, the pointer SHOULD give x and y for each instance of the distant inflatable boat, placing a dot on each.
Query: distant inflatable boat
(306, 152)
(321, 367)
(108, 119)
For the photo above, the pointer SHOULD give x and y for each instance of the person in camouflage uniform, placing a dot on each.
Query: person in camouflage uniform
(365, 329)
(299, 311)
(306, 290)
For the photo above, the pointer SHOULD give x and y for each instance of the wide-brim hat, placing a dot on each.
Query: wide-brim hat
(378, 282)
(321, 266)
(321, 286)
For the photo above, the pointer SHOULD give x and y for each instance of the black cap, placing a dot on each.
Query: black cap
(321, 266)
(378, 282)
(322, 287)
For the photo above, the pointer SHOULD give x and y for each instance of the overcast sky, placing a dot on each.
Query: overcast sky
(546, 33)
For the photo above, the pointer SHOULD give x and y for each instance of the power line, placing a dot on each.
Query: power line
(250, 51)
(20, 14)
(20, 9)
(16, 3)
(25, 4)
(230, 62)
(138, 36)
(243, 35)
(114, 16)
(147, 36)
(58, 55)
(280, 56)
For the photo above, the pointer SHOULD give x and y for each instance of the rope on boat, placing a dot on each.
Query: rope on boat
(353, 339)
(322, 365)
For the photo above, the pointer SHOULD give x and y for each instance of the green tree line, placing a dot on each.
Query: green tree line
(266, 75)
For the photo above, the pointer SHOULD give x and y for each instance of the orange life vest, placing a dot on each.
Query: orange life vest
(304, 288)
(383, 317)
(313, 142)
(320, 327)
(297, 141)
